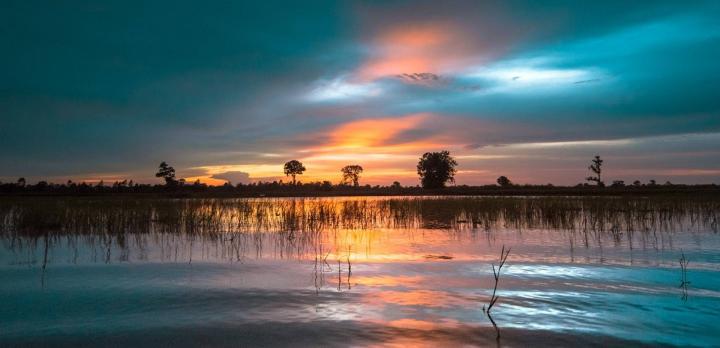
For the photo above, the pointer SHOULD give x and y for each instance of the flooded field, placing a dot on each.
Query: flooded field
(360, 271)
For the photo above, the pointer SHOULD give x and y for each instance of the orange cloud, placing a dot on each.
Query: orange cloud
(206, 179)
(423, 48)
(372, 132)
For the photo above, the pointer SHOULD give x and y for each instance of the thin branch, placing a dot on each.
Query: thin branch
(496, 274)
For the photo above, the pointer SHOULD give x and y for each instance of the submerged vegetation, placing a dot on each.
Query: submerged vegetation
(494, 297)
(299, 226)
(684, 283)
(28, 216)
(496, 276)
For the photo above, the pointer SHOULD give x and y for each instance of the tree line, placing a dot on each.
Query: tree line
(435, 171)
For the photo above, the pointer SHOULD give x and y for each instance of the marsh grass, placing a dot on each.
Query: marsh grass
(238, 228)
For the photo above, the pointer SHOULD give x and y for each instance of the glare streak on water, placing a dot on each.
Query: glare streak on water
(376, 270)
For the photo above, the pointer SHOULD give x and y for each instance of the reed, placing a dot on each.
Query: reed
(234, 228)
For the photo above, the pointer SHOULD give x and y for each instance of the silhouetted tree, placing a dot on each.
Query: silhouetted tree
(351, 173)
(21, 182)
(326, 185)
(436, 168)
(503, 181)
(637, 183)
(396, 185)
(618, 183)
(596, 168)
(166, 172)
(293, 168)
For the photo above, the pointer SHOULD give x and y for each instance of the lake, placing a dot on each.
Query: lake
(359, 271)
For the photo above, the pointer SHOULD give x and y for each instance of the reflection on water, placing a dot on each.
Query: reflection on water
(358, 271)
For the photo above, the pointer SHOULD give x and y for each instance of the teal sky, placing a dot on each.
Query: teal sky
(94, 90)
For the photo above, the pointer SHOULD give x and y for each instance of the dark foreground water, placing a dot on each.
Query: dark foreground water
(359, 272)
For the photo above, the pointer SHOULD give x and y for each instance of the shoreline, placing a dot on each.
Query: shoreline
(221, 192)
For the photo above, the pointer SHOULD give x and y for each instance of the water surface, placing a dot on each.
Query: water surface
(362, 271)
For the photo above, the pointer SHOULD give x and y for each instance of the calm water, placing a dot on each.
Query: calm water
(358, 272)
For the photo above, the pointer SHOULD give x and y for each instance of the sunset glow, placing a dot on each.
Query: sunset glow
(369, 84)
(359, 173)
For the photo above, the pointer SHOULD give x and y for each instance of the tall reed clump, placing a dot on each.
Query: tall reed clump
(294, 226)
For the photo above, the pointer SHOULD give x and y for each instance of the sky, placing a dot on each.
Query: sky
(231, 90)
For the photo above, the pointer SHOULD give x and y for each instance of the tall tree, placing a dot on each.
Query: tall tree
(436, 168)
(351, 173)
(21, 182)
(166, 172)
(596, 168)
(293, 168)
(503, 181)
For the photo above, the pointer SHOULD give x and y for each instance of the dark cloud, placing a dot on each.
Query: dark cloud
(586, 81)
(419, 77)
(474, 146)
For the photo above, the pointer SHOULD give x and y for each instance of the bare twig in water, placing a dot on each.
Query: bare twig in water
(349, 268)
(339, 274)
(45, 259)
(683, 280)
(496, 275)
(497, 330)
(324, 260)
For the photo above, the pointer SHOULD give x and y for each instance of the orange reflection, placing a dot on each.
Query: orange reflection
(428, 298)
(408, 323)
(387, 280)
